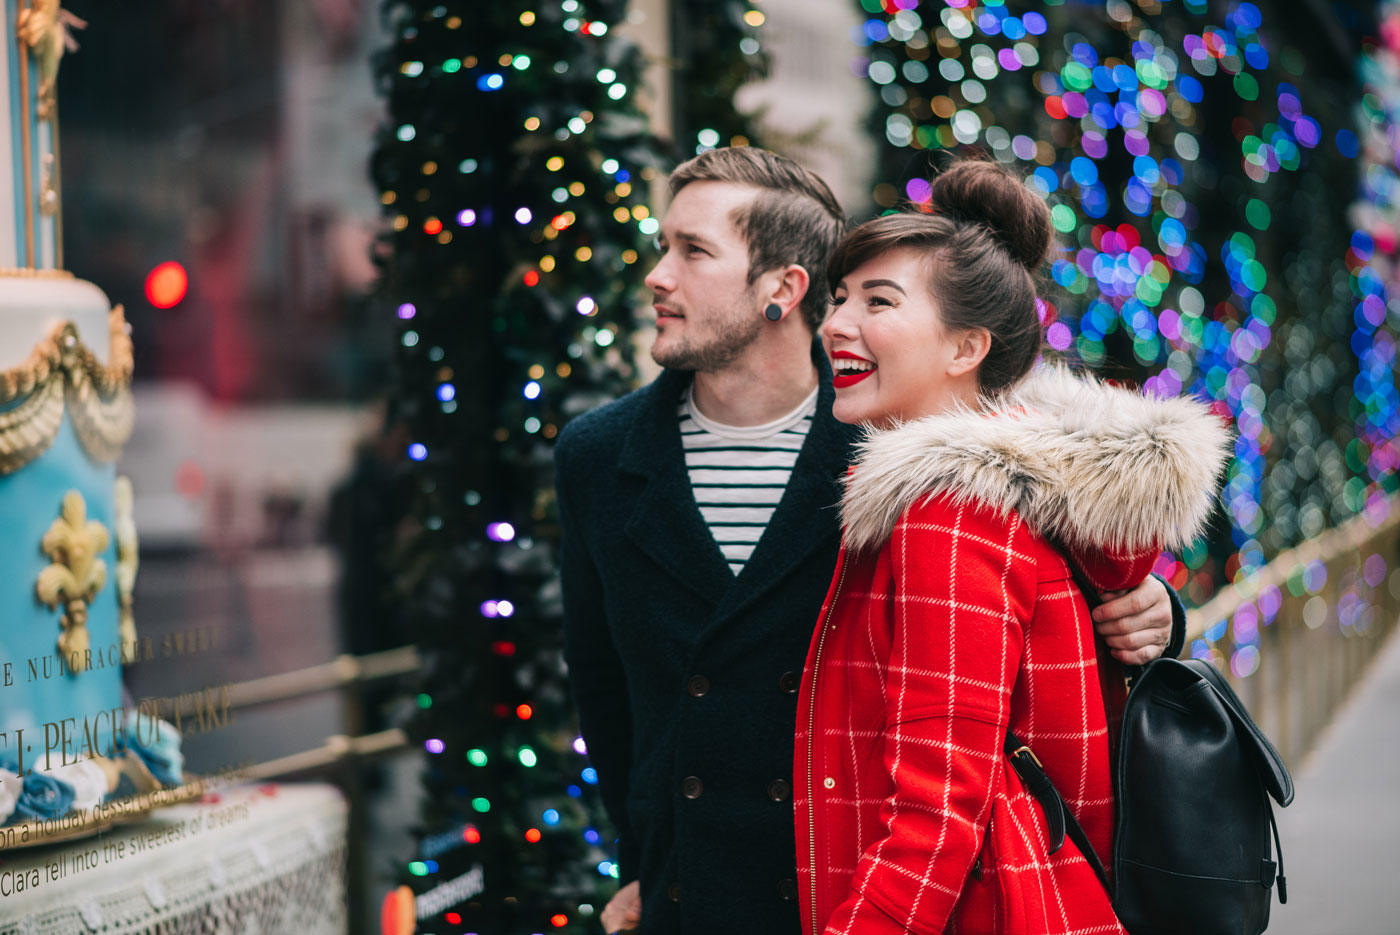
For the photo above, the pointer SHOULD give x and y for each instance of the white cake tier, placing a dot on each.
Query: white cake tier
(31, 305)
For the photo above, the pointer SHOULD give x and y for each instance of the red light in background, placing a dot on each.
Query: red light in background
(189, 479)
(167, 284)
(432, 227)
(533, 835)
(532, 278)
(453, 918)
(471, 836)
(525, 712)
(559, 921)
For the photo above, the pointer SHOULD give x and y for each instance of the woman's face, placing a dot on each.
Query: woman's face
(892, 357)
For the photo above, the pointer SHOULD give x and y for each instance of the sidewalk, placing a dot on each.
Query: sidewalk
(1341, 836)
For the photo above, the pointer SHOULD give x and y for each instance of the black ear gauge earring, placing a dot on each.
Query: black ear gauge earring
(773, 312)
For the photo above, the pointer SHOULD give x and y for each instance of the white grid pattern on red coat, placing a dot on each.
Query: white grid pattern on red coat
(958, 533)
(886, 601)
(1007, 619)
(929, 674)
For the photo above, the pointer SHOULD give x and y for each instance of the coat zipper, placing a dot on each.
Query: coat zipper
(811, 734)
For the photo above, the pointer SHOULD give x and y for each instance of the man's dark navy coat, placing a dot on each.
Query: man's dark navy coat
(685, 676)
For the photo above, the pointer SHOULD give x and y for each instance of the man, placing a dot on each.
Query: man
(700, 533)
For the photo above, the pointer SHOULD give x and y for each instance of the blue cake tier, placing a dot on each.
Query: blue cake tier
(38, 693)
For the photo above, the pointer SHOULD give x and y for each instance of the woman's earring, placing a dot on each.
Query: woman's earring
(773, 312)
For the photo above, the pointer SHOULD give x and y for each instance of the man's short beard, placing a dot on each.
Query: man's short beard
(734, 337)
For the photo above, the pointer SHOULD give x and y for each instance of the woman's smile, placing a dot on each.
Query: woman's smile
(849, 369)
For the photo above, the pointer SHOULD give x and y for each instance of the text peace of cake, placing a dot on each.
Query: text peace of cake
(99, 733)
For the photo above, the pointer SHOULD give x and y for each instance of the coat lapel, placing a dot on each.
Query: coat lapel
(664, 521)
(809, 515)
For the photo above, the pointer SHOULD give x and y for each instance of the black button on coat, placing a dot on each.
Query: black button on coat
(649, 603)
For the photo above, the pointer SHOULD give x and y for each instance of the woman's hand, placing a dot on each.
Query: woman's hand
(1136, 624)
(623, 913)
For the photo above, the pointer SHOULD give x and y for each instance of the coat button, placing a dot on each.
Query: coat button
(691, 787)
(779, 790)
(789, 683)
(787, 889)
(827, 783)
(697, 686)
(674, 891)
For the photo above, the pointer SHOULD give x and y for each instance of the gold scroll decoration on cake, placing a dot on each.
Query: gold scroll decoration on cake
(73, 545)
(127, 562)
(61, 371)
(43, 27)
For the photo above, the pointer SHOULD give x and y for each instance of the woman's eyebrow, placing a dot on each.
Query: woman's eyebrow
(872, 283)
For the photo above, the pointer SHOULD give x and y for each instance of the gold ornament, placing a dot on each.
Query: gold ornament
(127, 562)
(48, 194)
(73, 544)
(62, 369)
(43, 27)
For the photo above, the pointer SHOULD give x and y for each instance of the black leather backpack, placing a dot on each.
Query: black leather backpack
(1192, 779)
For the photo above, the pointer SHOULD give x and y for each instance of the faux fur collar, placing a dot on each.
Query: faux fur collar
(1088, 464)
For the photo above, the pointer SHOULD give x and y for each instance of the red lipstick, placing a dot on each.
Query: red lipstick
(842, 380)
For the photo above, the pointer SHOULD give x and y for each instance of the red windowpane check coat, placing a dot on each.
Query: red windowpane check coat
(952, 619)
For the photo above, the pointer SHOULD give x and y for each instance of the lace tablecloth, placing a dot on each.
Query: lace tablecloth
(261, 860)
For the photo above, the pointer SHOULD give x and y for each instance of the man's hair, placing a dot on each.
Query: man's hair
(794, 218)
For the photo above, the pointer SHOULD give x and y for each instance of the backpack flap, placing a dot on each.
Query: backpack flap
(1272, 772)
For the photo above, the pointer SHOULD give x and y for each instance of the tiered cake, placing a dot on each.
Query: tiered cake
(67, 545)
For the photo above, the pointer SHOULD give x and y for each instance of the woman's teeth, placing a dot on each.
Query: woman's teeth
(846, 365)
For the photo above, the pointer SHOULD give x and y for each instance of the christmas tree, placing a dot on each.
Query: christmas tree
(1198, 158)
(717, 50)
(513, 169)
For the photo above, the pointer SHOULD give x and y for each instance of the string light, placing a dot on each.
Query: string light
(1112, 91)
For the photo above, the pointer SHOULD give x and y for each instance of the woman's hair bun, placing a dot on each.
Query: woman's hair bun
(976, 192)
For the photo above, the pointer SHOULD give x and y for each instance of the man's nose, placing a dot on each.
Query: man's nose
(660, 278)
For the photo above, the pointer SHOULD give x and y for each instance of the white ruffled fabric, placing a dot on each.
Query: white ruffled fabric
(10, 785)
(87, 779)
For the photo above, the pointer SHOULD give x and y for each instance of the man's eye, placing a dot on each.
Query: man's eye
(696, 250)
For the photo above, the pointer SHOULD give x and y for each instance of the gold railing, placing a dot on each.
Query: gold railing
(1338, 598)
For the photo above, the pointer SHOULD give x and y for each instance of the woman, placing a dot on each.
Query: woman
(953, 616)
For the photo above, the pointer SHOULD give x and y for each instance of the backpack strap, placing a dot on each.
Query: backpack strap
(1091, 598)
(1059, 820)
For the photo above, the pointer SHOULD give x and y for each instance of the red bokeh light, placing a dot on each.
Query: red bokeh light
(189, 479)
(533, 835)
(525, 712)
(167, 284)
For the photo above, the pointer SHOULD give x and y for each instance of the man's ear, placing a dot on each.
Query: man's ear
(789, 287)
(973, 345)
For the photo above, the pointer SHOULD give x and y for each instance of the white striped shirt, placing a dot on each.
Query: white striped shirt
(738, 473)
